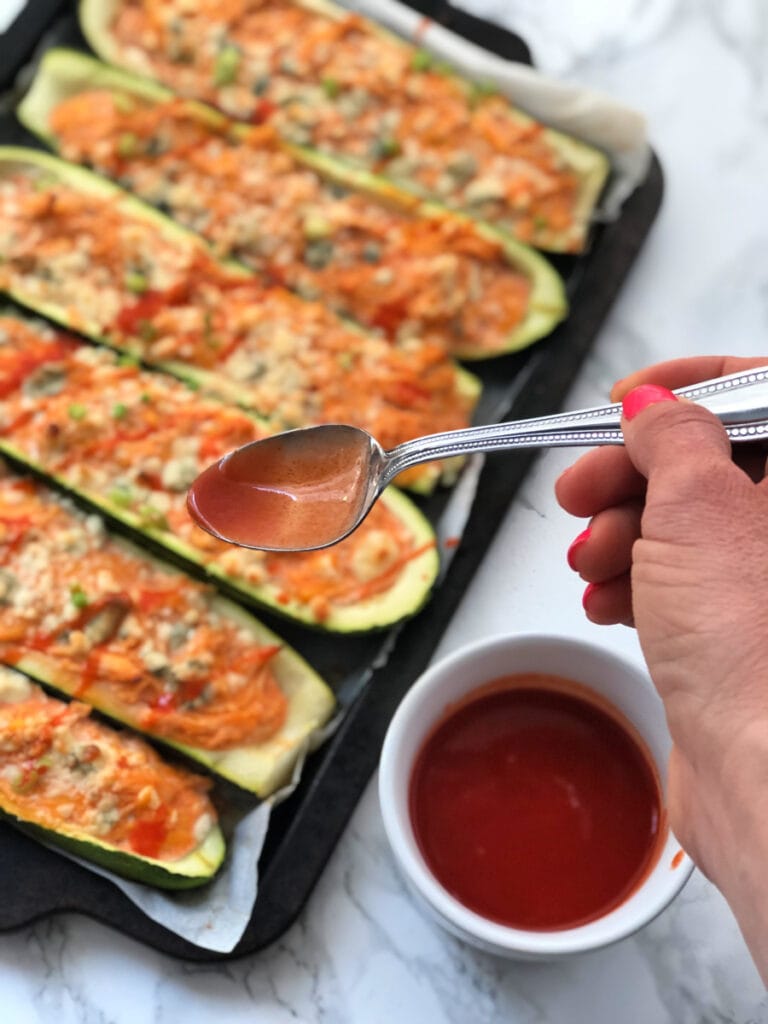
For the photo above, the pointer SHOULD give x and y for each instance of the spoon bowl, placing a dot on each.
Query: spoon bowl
(309, 488)
(302, 489)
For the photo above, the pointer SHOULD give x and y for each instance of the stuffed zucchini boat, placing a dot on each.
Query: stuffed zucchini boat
(95, 618)
(403, 268)
(105, 796)
(131, 441)
(330, 80)
(81, 251)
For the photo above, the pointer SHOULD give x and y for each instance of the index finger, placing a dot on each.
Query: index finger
(677, 373)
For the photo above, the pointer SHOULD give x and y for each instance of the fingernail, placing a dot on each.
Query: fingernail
(588, 592)
(576, 545)
(642, 396)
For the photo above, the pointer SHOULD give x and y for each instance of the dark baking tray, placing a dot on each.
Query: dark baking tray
(35, 882)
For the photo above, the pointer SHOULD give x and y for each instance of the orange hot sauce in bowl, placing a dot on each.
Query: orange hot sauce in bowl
(534, 806)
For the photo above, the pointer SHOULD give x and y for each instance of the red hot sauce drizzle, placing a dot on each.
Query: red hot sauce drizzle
(534, 807)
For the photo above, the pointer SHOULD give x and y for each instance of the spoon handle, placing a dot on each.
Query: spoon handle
(739, 400)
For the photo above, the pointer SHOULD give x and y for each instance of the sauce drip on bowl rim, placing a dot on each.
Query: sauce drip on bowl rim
(534, 806)
(290, 491)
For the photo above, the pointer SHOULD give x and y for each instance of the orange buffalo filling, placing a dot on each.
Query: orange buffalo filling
(162, 296)
(59, 768)
(121, 631)
(340, 85)
(138, 439)
(434, 277)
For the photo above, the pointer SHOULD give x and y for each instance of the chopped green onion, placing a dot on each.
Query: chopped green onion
(78, 596)
(481, 90)
(123, 103)
(421, 61)
(77, 411)
(125, 359)
(127, 144)
(151, 516)
(209, 336)
(136, 281)
(226, 66)
(120, 411)
(331, 87)
(316, 226)
(121, 496)
(147, 330)
(146, 398)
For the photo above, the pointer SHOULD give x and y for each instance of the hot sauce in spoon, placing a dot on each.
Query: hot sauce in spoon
(293, 491)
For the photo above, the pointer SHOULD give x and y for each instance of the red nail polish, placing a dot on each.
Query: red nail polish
(588, 592)
(576, 545)
(642, 396)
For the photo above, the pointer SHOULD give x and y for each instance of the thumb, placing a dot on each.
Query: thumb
(681, 448)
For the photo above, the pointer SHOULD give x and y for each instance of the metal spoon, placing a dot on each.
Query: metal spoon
(309, 488)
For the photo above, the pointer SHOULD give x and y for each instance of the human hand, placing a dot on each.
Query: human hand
(678, 545)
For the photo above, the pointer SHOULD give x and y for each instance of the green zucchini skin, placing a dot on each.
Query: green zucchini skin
(417, 580)
(405, 600)
(548, 304)
(216, 385)
(196, 869)
(590, 164)
(63, 73)
(411, 592)
(261, 768)
(27, 161)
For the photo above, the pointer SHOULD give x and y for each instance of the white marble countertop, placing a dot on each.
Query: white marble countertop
(361, 952)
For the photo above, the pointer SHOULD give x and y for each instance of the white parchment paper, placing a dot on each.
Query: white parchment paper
(216, 916)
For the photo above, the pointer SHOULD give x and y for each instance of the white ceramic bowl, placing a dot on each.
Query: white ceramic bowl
(614, 679)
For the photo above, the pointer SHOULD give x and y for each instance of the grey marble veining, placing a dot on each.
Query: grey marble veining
(362, 952)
